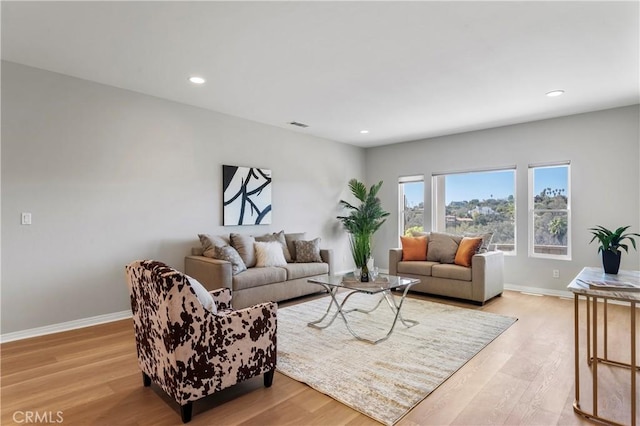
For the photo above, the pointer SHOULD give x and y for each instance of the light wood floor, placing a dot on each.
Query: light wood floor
(525, 376)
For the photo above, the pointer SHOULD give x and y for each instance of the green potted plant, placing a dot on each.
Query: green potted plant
(362, 222)
(610, 244)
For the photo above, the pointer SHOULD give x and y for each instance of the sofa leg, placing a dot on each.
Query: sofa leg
(146, 380)
(268, 378)
(185, 412)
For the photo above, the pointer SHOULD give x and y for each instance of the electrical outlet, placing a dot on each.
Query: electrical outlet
(556, 273)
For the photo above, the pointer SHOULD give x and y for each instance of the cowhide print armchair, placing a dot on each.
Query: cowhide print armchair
(188, 350)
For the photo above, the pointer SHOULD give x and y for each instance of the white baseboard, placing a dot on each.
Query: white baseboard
(538, 290)
(64, 326)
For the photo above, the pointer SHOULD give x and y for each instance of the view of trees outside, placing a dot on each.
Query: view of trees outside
(482, 214)
(413, 206)
(550, 210)
(482, 202)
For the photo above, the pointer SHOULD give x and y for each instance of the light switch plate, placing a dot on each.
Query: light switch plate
(26, 219)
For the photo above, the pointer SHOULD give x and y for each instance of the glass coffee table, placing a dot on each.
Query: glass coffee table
(381, 286)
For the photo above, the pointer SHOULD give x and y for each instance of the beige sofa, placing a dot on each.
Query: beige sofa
(258, 284)
(479, 283)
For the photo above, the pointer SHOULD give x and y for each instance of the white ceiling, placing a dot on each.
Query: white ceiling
(402, 70)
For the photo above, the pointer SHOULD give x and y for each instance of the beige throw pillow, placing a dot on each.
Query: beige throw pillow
(210, 241)
(269, 254)
(279, 237)
(442, 247)
(244, 245)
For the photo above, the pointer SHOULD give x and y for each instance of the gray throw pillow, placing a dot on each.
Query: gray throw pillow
(442, 247)
(279, 237)
(210, 241)
(244, 245)
(231, 255)
(290, 238)
(307, 251)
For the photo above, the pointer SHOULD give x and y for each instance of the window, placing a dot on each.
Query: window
(477, 202)
(549, 211)
(411, 204)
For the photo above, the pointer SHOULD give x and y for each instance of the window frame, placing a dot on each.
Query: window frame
(532, 211)
(438, 198)
(401, 211)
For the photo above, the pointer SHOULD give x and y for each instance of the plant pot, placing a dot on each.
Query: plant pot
(611, 261)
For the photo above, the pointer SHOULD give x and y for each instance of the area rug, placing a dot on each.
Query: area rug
(383, 381)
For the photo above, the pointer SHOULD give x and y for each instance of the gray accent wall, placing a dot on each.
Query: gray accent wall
(111, 176)
(604, 150)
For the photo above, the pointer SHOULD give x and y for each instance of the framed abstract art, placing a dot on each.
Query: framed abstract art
(246, 195)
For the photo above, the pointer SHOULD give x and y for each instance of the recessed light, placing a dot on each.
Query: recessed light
(197, 80)
(554, 93)
(364, 132)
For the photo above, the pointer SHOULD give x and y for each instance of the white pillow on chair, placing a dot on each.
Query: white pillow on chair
(203, 295)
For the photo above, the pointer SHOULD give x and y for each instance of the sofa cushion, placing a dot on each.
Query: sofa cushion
(442, 247)
(308, 251)
(415, 267)
(279, 237)
(290, 238)
(210, 241)
(230, 254)
(255, 277)
(453, 272)
(269, 254)
(467, 248)
(414, 248)
(303, 270)
(244, 245)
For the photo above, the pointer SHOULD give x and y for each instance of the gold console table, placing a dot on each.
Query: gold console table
(580, 287)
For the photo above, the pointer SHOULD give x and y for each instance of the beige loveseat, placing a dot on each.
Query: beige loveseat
(258, 284)
(478, 283)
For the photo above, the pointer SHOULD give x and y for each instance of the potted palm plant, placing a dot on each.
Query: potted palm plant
(362, 222)
(610, 244)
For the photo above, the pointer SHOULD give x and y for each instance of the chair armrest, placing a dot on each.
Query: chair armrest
(327, 257)
(222, 298)
(212, 273)
(395, 256)
(487, 275)
(226, 349)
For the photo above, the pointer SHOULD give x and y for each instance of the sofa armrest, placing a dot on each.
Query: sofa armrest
(487, 275)
(395, 256)
(327, 257)
(212, 273)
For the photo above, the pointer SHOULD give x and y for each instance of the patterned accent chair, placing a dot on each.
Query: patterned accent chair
(189, 351)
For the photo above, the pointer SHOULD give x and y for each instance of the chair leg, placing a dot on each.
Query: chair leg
(146, 380)
(268, 378)
(185, 412)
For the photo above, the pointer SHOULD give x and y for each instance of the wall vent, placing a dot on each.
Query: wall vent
(295, 123)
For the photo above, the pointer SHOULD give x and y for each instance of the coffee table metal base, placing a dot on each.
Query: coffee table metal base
(387, 296)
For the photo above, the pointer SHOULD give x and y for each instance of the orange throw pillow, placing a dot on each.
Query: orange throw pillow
(467, 248)
(414, 248)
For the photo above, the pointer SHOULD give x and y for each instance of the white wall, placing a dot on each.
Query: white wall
(111, 176)
(604, 150)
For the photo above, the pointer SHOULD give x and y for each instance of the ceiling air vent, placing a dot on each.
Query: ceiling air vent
(295, 123)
